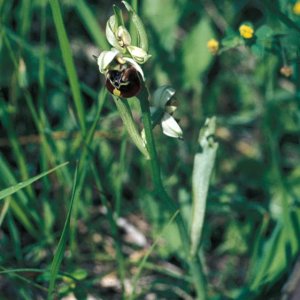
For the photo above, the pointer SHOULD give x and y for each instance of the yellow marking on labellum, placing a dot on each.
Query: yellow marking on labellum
(116, 92)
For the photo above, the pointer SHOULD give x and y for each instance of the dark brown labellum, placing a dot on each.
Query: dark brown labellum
(125, 83)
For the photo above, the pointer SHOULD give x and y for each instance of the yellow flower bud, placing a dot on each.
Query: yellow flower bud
(296, 8)
(246, 31)
(213, 46)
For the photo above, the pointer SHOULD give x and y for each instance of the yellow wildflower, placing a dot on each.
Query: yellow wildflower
(296, 8)
(246, 31)
(213, 46)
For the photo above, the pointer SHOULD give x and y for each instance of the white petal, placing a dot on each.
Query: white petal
(162, 95)
(135, 65)
(170, 127)
(110, 32)
(105, 58)
(138, 54)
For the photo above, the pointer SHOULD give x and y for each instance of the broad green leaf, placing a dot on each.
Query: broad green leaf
(203, 167)
(264, 32)
(196, 57)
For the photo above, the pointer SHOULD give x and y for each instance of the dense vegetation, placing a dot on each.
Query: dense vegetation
(98, 226)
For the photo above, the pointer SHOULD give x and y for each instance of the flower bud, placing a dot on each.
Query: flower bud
(213, 46)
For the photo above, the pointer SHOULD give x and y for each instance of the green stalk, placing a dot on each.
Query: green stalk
(146, 118)
(194, 262)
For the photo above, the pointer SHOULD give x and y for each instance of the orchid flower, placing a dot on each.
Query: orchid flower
(121, 64)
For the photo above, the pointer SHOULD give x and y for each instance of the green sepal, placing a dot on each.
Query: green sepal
(137, 22)
(118, 16)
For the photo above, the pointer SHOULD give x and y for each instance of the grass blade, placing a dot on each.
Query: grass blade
(69, 62)
(59, 253)
(91, 24)
(13, 189)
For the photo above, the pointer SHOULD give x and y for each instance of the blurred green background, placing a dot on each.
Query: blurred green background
(251, 234)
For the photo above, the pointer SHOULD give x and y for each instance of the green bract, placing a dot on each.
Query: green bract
(139, 26)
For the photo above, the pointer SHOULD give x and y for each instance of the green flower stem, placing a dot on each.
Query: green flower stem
(194, 262)
(146, 117)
